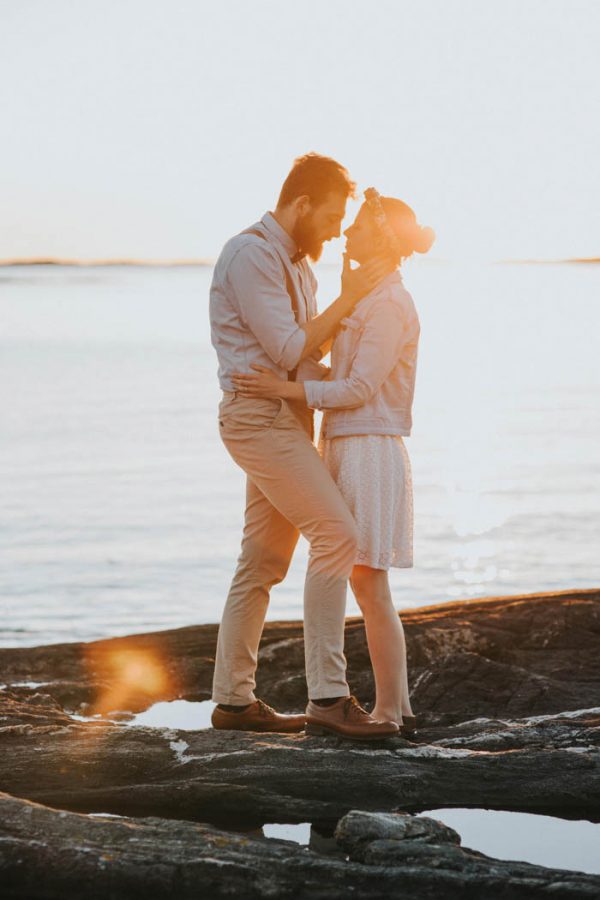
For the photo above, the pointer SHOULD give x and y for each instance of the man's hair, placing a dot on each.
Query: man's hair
(316, 177)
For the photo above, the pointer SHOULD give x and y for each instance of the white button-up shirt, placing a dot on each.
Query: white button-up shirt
(251, 315)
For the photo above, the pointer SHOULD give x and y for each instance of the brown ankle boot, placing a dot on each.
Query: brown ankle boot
(348, 719)
(257, 717)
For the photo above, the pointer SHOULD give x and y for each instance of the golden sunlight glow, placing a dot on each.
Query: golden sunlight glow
(131, 679)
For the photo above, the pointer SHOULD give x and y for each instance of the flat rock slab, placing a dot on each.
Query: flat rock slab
(45, 853)
(502, 656)
(544, 764)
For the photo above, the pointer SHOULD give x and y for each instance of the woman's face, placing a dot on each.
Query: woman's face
(361, 237)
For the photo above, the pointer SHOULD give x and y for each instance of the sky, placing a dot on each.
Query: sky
(156, 129)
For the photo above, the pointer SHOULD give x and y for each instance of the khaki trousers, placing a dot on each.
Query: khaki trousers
(289, 492)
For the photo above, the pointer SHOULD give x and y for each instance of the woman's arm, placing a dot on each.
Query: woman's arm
(379, 349)
(267, 384)
(378, 352)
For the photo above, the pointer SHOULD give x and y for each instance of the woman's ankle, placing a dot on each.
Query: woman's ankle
(387, 715)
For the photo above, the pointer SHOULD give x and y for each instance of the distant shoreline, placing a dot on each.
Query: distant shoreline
(96, 263)
(585, 260)
(205, 263)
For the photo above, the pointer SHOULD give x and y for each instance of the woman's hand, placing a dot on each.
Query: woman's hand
(357, 283)
(266, 384)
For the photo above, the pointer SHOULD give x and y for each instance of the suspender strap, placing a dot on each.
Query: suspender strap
(290, 288)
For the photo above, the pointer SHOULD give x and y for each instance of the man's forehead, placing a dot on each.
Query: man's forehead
(335, 204)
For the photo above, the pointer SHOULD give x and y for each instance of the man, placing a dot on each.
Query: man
(263, 312)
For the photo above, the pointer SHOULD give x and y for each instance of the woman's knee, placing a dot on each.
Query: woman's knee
(369, 586)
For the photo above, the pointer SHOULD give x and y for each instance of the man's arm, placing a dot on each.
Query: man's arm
(355, 285)
(256, 280)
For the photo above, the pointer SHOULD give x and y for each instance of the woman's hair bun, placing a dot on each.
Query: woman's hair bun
(424, 238)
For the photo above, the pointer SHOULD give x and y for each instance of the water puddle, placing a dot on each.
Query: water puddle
(182, 715)
(305, 834)
(527, 837)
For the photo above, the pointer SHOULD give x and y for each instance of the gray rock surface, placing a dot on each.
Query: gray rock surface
(550, 764)
(507, 691)
(45, 853)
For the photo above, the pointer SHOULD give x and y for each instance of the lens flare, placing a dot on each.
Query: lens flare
(129, 679)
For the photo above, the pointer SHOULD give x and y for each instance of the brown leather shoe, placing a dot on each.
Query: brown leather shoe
(257, 717)
(348, 719)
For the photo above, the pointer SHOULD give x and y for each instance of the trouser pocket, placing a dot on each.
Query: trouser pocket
(241, 416)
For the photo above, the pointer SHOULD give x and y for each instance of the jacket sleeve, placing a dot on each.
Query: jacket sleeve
(258, 284)
(379, 348)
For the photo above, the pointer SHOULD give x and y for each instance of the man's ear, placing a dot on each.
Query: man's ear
(302, 205)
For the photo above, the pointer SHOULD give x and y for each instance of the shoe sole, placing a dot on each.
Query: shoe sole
(259, 730)
(324, 730)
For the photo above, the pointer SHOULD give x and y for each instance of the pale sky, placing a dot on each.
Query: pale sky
(158, 128)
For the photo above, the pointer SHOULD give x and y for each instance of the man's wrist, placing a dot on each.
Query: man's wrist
(349, 299)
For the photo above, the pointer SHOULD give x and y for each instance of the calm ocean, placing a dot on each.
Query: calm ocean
(121, 510)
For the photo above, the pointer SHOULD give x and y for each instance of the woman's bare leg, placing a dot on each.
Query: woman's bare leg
(385, 638)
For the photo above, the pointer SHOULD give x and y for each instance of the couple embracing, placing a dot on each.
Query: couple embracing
(352, 497)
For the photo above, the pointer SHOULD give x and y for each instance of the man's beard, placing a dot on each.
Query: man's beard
(306, 239)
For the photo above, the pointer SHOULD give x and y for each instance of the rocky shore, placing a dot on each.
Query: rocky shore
(507, 691)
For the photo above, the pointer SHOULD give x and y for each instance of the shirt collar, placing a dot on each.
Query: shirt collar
(279, 233)
(393, 278)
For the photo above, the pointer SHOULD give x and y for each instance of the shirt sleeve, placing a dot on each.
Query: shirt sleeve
(379, 349)
(258, 284)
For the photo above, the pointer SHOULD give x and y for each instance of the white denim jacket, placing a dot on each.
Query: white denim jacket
(373, 366)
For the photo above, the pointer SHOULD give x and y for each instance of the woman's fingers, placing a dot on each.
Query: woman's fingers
(376, 270)
(245, 384)
(244, 376)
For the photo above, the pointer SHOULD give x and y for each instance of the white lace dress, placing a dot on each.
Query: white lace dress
(373, 474)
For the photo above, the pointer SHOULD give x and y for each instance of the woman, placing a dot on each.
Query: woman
(367, 400)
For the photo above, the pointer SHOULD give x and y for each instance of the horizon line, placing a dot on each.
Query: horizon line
(206, 262)
(118, 261)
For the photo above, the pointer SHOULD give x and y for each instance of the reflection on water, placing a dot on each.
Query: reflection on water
(543, 840)
(182, 715)
(122, 511)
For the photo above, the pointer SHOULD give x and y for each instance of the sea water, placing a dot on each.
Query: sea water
(121, 511)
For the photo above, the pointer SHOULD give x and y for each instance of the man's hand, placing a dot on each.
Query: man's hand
(357, 283)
